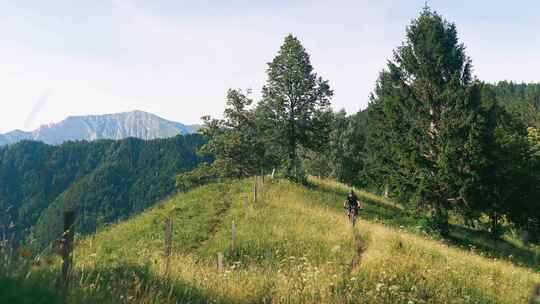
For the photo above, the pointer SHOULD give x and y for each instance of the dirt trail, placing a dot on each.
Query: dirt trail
(360, 248)
(227, 196)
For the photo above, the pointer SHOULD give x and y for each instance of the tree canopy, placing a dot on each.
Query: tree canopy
(428, 107)
(294, 111)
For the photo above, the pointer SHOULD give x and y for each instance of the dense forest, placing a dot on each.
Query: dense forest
(510, 93)
(443, 143)
(522, 99)
(103, 181)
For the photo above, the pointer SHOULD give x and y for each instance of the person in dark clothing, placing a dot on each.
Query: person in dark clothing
(352, 204)
(352, 201)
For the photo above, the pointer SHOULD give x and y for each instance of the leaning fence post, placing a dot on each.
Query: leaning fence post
(67, 248)
(233, 238)
(220, 261)
(168, 243)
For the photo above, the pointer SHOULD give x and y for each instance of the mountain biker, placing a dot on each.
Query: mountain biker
(352, 204)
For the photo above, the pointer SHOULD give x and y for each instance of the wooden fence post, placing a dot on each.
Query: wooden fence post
(255, 192)
(3, 244)
(67, 249)
(259, 186)
(220, 261)
(168, 243)
(233, 238)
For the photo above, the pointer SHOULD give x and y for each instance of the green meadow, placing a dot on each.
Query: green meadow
(294, 245)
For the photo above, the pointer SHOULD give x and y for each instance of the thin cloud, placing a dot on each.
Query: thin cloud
(38, 106)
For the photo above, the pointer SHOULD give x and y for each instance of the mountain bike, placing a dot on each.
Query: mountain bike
(352, 214)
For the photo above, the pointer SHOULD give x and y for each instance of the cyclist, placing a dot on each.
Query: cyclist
(352, 204)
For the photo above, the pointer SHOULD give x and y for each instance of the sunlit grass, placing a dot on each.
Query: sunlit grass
(293, 246)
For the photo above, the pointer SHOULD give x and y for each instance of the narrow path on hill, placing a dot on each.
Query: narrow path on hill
(360, 247)
(226, 196)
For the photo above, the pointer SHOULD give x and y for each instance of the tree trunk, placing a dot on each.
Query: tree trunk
(291, 166)
(524, 236)
(441, 217)
(494, 225)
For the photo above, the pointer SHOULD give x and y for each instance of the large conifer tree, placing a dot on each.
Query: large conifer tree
(425, 120)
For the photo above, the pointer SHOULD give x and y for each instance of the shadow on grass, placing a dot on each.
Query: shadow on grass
(501, 249)
(20, 290)
(460, 236)
(373, 210)
(122, 284)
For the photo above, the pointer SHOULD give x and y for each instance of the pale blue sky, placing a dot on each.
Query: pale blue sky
(178, 58)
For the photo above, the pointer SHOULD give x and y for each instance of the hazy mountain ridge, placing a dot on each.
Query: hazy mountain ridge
(136, 124)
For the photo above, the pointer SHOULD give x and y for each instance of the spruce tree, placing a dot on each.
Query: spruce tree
(295, 110)
(425, 120)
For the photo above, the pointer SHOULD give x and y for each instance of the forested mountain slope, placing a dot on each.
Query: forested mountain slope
(509, 92)
(103, 181)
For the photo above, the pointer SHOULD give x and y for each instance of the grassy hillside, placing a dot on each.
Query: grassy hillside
(294, 246)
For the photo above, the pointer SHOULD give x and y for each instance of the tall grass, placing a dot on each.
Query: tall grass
(384, 210)
(294, 246)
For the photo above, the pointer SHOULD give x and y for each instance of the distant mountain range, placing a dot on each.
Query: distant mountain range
(136, 124)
